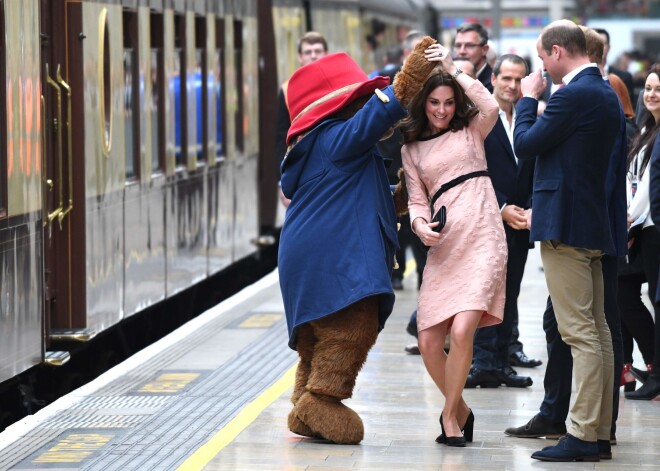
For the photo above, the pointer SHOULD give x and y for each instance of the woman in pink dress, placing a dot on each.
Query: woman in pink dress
(464, 279)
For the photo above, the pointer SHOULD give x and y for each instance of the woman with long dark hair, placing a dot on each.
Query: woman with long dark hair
(645, 240)
(463, 285)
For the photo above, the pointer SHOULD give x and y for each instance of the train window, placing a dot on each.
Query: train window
(220, 101)
(177, 83)
(240, 109)
(131, 97)
(157, 93)
(201, 90)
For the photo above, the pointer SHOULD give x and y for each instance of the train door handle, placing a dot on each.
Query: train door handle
(57, 122)
(69, 150)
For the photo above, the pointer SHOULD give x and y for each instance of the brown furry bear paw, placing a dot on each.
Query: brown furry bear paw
(298, 427)
(332, 420)
(400, 195)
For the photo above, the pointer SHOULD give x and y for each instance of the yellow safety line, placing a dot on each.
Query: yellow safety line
(226, 435)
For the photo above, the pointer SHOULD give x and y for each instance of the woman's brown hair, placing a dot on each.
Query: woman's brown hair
(648, 137)
(416, 123)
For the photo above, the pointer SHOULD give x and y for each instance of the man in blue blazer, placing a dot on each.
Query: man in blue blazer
(512, 180)
(573, 140)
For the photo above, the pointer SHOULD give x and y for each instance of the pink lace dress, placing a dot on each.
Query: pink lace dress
(467, 269)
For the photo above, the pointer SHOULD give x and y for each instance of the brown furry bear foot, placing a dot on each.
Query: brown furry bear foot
(300, 428)
(332, 420)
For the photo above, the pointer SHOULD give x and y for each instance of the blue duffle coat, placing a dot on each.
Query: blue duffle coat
(339, 235)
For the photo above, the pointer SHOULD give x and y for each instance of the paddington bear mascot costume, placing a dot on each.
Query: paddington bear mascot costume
(339, 236)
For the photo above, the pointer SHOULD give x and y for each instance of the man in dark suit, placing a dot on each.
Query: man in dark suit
(550, 421)
(573, 140)
(512, 180)
(471, 42)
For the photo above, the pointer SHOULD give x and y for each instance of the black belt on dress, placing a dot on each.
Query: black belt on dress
(456, 181)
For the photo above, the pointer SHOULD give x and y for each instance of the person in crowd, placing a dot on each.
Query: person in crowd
(624, 75)
(550, 421)
(643, 233)
(570, 211)
(636, 319)
(464, 279)
(512, 180)
(471, 42)
(391, 63)
(337, 299)
(311, 47)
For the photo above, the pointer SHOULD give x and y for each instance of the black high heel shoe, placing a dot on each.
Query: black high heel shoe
(451, 441)
(467, 429)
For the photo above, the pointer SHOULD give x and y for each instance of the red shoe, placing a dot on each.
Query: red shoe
(627, 378)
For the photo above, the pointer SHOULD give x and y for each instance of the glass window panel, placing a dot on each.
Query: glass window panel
(175, 83)
(156, 166)
(128, 114)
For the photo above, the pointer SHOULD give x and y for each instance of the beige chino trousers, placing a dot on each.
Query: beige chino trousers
(575, 282)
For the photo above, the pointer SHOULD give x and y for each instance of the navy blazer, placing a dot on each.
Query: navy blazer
(574, 139)
(654, 189)
(512, 180)
(654, 186)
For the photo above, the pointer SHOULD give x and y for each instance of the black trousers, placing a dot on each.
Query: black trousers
(491, 344)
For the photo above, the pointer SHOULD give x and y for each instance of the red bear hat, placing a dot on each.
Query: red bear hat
(319, 89)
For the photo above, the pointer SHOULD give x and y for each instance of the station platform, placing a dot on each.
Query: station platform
(214, 395)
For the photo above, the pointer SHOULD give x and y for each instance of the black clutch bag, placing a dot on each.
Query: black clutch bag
(441, 217)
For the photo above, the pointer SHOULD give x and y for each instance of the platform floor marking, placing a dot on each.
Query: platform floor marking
(261, 321)
(169, 383)
(245, 417)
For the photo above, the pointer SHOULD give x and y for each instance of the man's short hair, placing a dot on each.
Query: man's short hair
(566, 34)
(312, 37)
(476, 27)
(595, 44)
(513, 58)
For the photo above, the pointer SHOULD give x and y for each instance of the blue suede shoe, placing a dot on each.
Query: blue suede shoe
(569, 448)
(604, 450)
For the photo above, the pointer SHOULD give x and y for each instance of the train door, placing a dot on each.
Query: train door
(61, 109)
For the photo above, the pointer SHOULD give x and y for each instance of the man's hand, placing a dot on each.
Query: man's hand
(534, 84)
(528, 215)
(514, 216)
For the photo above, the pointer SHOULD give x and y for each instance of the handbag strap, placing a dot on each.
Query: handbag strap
(456, 181)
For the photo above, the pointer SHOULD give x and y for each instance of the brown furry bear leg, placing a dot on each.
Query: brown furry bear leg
(343, 340)
(305, 341)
